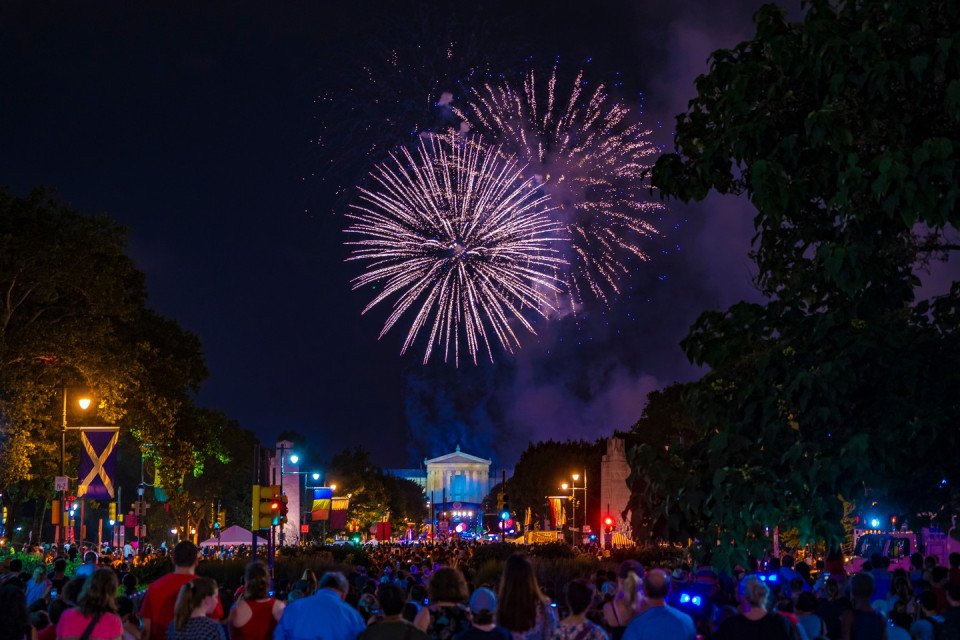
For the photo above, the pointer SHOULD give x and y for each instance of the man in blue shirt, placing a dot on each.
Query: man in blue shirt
(322, 616)
(659, 620)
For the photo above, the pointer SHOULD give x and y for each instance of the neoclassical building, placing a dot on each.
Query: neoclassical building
(455, 484)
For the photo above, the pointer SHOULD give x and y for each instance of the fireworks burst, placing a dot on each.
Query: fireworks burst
(456, 235)
(591, 159)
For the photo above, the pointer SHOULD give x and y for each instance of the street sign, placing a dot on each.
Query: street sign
(61, 483)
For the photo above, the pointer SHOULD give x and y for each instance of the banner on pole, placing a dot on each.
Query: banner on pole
(322, 498)
(557, 513)
(98, 460)
(338, 513)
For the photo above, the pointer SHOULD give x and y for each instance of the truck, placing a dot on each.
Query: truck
(898, 545)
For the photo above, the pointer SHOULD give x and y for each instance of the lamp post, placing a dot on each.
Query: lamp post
(84, 403)
(575, 488)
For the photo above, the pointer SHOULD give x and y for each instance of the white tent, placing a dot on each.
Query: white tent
(232, 536)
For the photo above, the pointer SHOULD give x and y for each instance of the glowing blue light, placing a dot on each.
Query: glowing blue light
(696, 601)
(763, 578)
(684, 598)
(773, 577)
(874, 523)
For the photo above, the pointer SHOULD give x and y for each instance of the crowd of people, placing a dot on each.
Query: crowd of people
(433, 593)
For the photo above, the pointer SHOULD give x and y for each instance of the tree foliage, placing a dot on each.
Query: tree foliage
(73, 314)
(544, 466)
(842, 130)
(373, 494)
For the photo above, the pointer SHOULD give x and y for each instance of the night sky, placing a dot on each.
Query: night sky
(218, 133)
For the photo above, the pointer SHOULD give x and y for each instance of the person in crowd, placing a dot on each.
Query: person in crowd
(392, 625)
(626, 603)
(95, 617)
(806, 607)
(446, 616)
(198, 598)
(953, 577)
(862, 621)
(311, 581)
(578, 596)
(131, 624)
(483, 611)
(938, 584)
(300, 619)
(951, 616)
(928, 618)
(13, 613)
(787, 573)
(129, 585)
(38, 586)
(754, 622)
(39, 620)
(89, 565)
(898, 627)
(882, 578)
(55, 610)
(524, 611)
(830, 607)
(58, 578)
(916, 572)
(161, 596)
(658, 619)
(256, 613)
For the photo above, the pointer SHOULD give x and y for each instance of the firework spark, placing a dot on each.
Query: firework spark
(592, 160)
(457, 236)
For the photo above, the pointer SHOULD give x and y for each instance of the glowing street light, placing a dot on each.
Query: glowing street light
(294, 458)
(84, 403)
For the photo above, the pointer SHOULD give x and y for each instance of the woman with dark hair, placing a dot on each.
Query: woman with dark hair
(14, 621)
(618, 612)
(95, 617)
(256, 613)
(524, 611)
(447, 615)
(197, 600)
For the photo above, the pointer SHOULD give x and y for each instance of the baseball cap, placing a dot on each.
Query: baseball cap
(483, 599)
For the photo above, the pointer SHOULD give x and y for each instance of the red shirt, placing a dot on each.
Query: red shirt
(261, 624)
(158, 603)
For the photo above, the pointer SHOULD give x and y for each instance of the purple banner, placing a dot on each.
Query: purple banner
(98, 460)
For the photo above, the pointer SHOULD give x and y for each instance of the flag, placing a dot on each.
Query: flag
(556, 511)
(321, 504)
(98, 460)
(338, 515)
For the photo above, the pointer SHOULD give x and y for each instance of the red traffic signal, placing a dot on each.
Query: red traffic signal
(608, 522)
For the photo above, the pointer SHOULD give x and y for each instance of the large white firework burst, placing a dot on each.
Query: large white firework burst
(592, 159)
(455, 235)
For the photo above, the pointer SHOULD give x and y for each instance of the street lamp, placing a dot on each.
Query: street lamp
(84, 403)
(575, 488)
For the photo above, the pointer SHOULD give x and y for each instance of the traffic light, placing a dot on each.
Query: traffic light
(112, 508)
(55, 512)
(4, 521)
(608, 523)
(500, 501)
(283, 510)
(266, 504)
(505, 508)
(221, 520)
